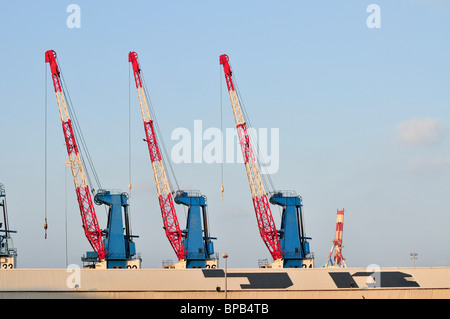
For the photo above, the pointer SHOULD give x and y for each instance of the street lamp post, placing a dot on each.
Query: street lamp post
(413, 256)
(225, 256)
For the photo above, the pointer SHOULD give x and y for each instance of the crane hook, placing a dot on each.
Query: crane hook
(45, 228)
(221, 189)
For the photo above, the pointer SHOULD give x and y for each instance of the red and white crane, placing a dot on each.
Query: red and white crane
(166, 202)
(336, 259)
(88, 216)
(266, 224)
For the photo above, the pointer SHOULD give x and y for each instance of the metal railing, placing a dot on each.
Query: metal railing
(285, 193)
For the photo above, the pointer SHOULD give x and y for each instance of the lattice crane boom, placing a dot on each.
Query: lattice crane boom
(260, 200)
(87, 211)
(166, 202)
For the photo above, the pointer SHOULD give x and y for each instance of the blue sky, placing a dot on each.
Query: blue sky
(363, 117)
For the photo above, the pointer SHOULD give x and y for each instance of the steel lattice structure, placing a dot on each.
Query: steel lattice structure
(266, 224)
(87, 211)
(166, 202)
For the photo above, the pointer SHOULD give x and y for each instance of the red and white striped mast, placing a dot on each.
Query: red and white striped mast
(337, 260)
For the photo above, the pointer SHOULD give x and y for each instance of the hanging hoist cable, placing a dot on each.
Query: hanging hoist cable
(129, 129)
(221, 131)
(129, 148)
(45, 156)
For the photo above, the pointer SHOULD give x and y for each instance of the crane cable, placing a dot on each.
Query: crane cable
(79, 134)
(80, 138)
(164, 154)
(267, 180)
(45, 155)
(129, 129)
(221, 131)
(129, 149)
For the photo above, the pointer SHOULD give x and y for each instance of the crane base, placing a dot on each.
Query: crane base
(183, 264)
(279, 263)
(96, 265)
(276, 264)
(130, 264)
(179, 265)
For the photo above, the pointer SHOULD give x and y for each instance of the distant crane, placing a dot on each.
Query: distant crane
(120, 249)
(8, 254)
(288, 246)
(335, 258)
(193, 246)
